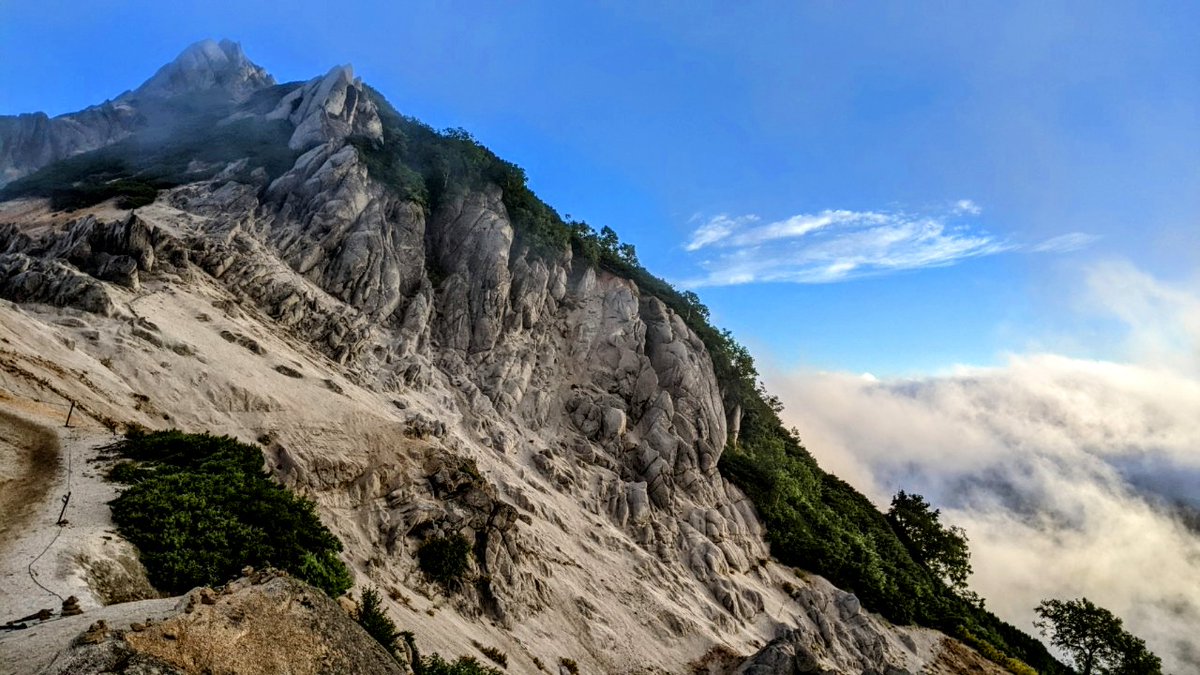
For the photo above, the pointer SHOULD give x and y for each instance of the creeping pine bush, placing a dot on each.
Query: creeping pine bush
(200, 508)
(374, 619)
(499, 657)
(445, 559)
(465, 665)
(436, 665)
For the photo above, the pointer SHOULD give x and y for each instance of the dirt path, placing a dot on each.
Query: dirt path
(41, 562)
(29, 463)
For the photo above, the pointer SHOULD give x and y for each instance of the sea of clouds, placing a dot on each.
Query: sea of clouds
(1071, 477)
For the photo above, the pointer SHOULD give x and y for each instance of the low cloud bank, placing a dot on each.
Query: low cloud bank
(1071, 477)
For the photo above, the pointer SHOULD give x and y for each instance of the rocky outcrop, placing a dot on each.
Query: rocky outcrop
(327, 109)
(206, 67)
(113, 251)
(65, 270)
(28, 279)
(258, 624)
(833, 634)
(29, 142)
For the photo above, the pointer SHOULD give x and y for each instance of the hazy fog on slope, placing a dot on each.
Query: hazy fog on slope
(1071, 477)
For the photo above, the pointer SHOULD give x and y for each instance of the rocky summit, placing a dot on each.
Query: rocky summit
(216, 252)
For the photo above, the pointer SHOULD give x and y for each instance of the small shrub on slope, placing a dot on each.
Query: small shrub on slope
(465, 665)
(445, 559)
(200, 508)
(497, 656)
(374, 619)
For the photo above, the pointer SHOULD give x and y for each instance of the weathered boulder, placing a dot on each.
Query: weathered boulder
(260, 624)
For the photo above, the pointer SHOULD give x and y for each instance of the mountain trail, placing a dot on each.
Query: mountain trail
(42, 561)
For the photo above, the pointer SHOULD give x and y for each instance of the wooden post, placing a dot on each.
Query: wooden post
(69, 414)
(65, 500)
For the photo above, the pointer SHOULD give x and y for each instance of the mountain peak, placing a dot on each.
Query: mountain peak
(206, 65)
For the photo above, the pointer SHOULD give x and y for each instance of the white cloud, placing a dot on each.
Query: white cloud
(838, 244)
(832, 245)
(716, 229)
(1163, 319)
(967, 206)
(1059, 470)
(1072, 241)
(1067, 474)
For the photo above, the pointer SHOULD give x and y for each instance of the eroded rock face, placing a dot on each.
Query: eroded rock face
(65, 269)
(29, 142)
(833, 634)
(203, 67)
(329, 108)
(616, 383)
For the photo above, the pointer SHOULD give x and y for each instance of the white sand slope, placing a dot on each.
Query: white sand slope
(355, 453)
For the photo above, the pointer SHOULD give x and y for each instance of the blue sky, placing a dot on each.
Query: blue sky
(886, 187)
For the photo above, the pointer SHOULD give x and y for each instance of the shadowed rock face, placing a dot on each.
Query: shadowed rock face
(65, 270)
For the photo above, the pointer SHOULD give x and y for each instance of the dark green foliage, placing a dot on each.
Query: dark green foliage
(86, 180)
(125, 472)
(388, 169)
(1011, 641)
(374, 619)
(428, 167)
(816, 521)
(436, 665)
(942, 550)
(324, 570)
(445, 559)
(1095, 638)
(570, 665)
(465, 665)
(1134, 658)
(989, 651)
(199, 508)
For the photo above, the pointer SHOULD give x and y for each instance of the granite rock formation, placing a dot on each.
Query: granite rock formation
(566, 422)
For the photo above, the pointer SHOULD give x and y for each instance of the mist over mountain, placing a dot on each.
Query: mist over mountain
(1071, 477)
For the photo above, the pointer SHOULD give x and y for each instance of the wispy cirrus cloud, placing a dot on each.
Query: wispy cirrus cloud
(837, 245)
(1071, 241)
